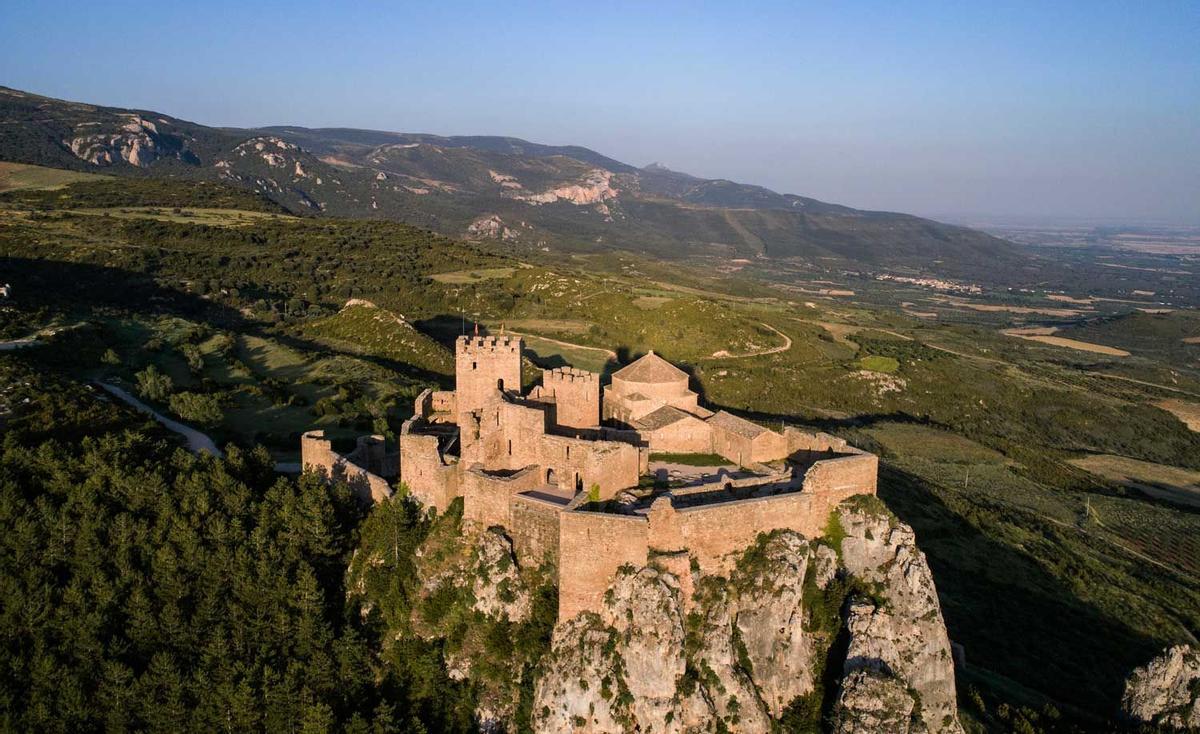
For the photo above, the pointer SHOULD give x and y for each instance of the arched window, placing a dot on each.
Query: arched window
(551, 477)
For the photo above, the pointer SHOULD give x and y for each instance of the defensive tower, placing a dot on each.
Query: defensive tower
(481, 365)
(576, 396)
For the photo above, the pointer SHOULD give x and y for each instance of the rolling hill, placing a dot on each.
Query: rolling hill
(526, 195)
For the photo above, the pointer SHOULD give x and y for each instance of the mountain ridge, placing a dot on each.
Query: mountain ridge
(527, 195)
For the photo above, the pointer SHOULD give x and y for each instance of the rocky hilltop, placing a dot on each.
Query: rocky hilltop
(843, 633)
(801, 629)
(1166, 691)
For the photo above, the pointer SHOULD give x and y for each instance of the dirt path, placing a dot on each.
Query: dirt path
(197, 442)
(611, 354)
(841, 331)
(14, 344)
(787, 344)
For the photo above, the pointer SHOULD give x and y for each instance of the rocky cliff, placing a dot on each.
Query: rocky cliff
(841, 633)
(845, 631)
(1166, 691)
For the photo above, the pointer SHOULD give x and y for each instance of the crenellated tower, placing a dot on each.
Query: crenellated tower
(576, 396)
(481, 365)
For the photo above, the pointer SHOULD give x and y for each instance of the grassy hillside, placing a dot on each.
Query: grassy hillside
(22, 176)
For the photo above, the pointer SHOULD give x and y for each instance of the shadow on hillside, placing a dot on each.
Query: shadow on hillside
(446, 328)
(865, 420)
(1011, 616)
(84, 290)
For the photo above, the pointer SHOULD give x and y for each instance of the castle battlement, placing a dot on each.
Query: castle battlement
(485, 344)
(568, 375)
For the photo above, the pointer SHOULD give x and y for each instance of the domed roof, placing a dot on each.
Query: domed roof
(651, 369)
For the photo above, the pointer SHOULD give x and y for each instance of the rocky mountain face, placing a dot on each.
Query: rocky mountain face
(801, 633)
(523, 194)
(1166, 691)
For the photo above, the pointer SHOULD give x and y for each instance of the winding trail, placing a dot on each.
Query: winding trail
(197, 442)
(611, 354)
(787, 344)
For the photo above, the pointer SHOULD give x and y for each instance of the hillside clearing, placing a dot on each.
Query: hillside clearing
(183, 215)
(466, 277)
(1187, 412)
(1160, 481)
(21, 176)
(1043, 335)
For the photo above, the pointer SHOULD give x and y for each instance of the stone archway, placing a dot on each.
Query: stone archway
(551, 478)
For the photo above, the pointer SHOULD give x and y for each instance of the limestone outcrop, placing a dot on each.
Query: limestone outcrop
(743, 652)
(900, 635)
(1166, 691)
(497, 588)
(138, 142)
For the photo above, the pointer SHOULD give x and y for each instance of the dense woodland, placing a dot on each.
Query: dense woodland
(148, 589)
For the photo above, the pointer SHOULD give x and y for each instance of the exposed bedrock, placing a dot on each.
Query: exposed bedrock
(746, 651)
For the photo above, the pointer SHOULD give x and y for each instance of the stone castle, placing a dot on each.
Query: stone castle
(566, 468)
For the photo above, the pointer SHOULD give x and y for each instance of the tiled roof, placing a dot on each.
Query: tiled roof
(651, 368)
(664, 416)
(734, 424)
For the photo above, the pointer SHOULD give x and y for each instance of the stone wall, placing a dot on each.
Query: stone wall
(798, 440)
(487, 496)
(533, 527)
(576, 396)
(431, 478)
(317, 454)
(578, 465)
(856, 473)
(435, 406)
(512, 435)
(591, 547)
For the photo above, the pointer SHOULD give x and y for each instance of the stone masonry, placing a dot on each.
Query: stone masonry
(572, 490)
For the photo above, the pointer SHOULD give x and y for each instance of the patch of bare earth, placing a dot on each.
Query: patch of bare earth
(1042, 334)
(1160, 481)
(1187, 412)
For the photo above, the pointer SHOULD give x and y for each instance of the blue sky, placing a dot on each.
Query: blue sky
(1063, 110)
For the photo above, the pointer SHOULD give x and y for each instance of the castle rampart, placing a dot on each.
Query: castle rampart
(430, 475)
(487, 495)
(712, 531)
(317, 454)
(533, 526)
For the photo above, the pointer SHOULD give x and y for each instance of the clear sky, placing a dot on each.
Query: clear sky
(1069, 110)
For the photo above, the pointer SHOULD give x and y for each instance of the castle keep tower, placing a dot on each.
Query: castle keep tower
(576, 396)
(481, 365)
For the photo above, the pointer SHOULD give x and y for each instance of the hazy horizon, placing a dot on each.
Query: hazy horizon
(1080, 112)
